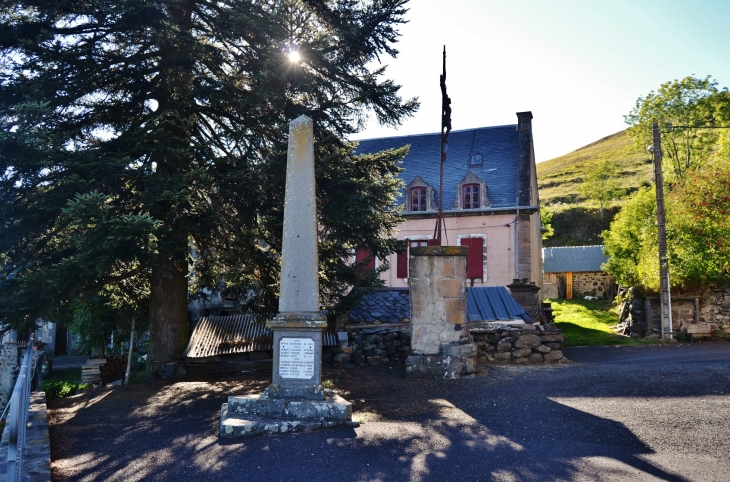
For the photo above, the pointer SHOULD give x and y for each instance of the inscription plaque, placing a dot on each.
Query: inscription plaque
(296, 358)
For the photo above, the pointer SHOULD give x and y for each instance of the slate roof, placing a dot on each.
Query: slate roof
(384, 305)
(498, 146)
(573, 258)
(493, 303)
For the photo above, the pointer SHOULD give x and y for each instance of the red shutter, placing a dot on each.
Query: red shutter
(402, 263)
(433, 242)
(475, 257)
(360, 256)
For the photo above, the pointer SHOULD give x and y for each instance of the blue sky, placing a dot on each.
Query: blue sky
(579, 66)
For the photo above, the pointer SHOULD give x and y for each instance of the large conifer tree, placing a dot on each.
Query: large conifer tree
(136, 132)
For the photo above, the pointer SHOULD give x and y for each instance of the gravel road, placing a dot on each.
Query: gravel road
(629, 413)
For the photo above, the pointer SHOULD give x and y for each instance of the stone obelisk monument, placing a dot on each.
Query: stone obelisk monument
(298, 326)
(295, 400)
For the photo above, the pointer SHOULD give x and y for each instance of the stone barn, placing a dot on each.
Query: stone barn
(575, 271)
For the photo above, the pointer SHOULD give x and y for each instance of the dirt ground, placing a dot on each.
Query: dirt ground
(615, 414)
(104, 413)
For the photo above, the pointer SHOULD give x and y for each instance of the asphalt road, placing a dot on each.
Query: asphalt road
(633, 414)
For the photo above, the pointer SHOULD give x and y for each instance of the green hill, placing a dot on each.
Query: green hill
(575, 221)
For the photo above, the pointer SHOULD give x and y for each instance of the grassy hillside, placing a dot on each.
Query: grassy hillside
(576, 222)
(559, 179)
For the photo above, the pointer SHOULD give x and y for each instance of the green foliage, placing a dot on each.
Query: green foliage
(600, 184)
(62, 383)
(588, 322)
(683, 109)
(546, 219)
(631, 241)
(698, 228)
(134, 133)
(578, 225)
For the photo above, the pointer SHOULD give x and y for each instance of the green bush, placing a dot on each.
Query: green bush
(62, 383)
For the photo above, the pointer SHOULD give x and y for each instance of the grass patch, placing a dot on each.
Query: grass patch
(62, 383)
(588, 322)
(330, 383)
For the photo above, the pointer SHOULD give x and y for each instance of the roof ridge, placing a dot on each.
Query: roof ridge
(435, 133)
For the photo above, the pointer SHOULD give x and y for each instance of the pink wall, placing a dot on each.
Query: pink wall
(498, 228)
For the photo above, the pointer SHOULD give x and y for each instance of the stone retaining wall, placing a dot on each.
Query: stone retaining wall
(524, 344)
(715, 308)
(37, 455)
(371, 346)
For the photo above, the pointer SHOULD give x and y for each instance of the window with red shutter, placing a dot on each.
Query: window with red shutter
(402, 259)
(402, 262)
(363, 254)
(475, 257)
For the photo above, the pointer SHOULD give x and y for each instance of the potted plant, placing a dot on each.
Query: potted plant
(38, 344)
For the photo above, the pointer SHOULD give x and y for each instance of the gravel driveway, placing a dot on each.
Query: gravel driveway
(638, 413)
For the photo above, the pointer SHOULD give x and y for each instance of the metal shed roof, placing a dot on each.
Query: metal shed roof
(229, 335)
(493, 303)
(573, 258)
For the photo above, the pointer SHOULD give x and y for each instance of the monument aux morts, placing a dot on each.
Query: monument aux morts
(295, 400)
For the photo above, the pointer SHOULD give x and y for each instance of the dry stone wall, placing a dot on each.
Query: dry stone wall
(715, 308)
(371, 346)
(591, 283)
(525, 344)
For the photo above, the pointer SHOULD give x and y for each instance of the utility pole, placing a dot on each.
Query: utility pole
(665, 296)
(445, 129)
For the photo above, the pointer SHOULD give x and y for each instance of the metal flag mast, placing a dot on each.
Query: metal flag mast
(445, 129)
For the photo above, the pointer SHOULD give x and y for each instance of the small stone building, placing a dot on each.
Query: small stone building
(575, 271)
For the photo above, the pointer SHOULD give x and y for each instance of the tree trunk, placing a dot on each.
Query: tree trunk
(168, 314)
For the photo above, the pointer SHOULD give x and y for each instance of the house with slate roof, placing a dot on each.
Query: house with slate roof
(575, 271)
(490, 200)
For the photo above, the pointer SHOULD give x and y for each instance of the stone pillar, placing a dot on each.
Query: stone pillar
(298, 326)
(440, 341)
(525, 293)
(524, 247)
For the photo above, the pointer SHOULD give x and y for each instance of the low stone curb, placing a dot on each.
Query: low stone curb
(37, 455)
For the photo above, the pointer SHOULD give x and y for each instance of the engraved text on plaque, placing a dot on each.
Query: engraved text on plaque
(296, 358)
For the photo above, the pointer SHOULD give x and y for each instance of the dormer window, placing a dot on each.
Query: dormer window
(471, 196)
(418, 199)
(471, 193)
(418, 196)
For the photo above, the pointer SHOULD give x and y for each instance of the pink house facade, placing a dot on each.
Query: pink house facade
(490, 201)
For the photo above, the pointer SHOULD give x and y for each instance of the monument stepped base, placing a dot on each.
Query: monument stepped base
(249, 415)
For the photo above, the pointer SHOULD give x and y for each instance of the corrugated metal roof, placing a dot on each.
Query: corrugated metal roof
(498, 146)
(229, 335)
(573, 258)
(493, 303)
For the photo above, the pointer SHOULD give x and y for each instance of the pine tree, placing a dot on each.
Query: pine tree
(135, 133)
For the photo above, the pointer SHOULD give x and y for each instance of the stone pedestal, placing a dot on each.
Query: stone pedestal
(440, 344)
(525, 293)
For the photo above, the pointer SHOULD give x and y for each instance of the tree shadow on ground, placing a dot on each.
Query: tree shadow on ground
(510, 424)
